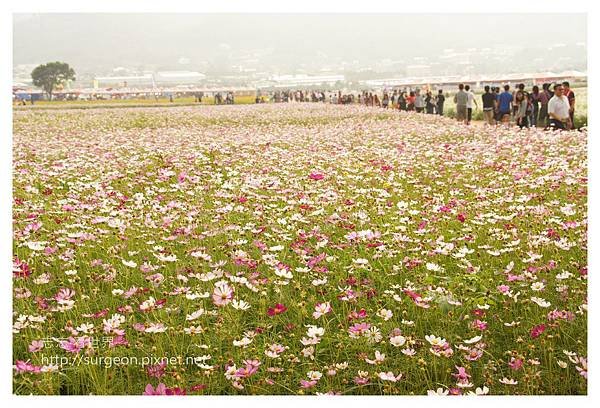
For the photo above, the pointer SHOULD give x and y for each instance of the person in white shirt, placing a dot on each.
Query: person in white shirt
(558, 109)
(470, 101)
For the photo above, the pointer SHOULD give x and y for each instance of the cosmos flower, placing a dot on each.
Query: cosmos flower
(222, 294)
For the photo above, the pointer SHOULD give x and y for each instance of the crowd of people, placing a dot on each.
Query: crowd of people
(228, 99)
(553, 106)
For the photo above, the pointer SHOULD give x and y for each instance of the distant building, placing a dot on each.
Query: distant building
(178, 77)
(304, 80)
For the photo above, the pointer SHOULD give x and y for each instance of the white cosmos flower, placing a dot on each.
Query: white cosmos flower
(195, 315)
(36, 245)
(314, 331)
(166, 258)
(398, 341)
(537, 286)
(540, 302)
(508, 381)
(435, 341)
(379, 358)
(243, 342)
(472, 340)
(156, 328)
(433, 267)
(283, 273)
(480, 391)
(440, 392)
(130, 264)
(385, 314)
(389, 376)
(193, 330)
(240, 304)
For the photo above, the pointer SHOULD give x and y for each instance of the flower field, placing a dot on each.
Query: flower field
(295, 249)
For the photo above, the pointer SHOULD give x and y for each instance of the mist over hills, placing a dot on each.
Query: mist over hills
(222, 43)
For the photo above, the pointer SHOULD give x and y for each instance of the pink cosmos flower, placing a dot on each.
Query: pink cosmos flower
(64, 294)
(361, 380)
(321, 309)
(479, 325)
(157, 370)
(358, 329)
(461, 374)
(361, 314)
(503, 288)
(515, 363)
(26, 367)
(250, 367)
(308, 384)
(119, 340)
(75, 345)
(316, 176)
(160, 389)
(36, 345)
(222, 294)
(20, 268)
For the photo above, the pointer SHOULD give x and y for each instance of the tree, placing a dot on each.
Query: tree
(50, 75)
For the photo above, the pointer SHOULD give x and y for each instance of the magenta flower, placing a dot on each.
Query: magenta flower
(536, 331)
(278, 309)
(160, 389)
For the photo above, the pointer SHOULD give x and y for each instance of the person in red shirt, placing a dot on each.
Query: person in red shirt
(410, 101)
(568, 92)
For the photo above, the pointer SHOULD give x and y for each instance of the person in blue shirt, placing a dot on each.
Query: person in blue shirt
(504, 104)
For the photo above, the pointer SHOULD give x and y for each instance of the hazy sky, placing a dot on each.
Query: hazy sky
(121, 39)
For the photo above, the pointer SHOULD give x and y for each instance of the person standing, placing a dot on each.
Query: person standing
(535, 101)
(568, 92)
(521, 114)
(386, 100)
(559, 109)
(429, 103)
(440, 102)
(410, 101)
(470, 101)
(402, 101)
(489, 105)
(496, 93)
(504, 105)
(544, 97)
(419, 101)
(461, 99)
(515, 105)
(376, 101)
